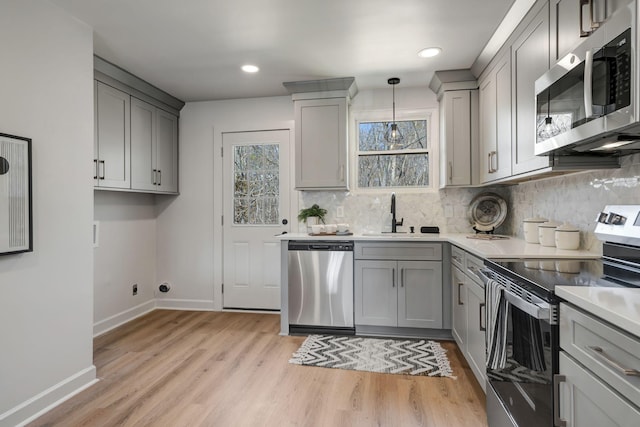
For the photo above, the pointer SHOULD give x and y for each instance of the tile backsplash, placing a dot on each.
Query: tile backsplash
(577, 198)
(371, 213)
(574, 198)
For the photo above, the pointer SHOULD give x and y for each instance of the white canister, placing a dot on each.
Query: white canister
(567, 237)
(530, 226)
(546, 233)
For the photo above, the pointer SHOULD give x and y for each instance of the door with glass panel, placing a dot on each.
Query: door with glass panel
(256, 208)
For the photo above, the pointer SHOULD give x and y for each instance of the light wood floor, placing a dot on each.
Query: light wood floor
(181, 368)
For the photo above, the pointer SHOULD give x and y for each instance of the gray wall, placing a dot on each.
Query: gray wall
(46, 302)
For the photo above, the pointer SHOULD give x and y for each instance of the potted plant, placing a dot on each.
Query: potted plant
(312, 215)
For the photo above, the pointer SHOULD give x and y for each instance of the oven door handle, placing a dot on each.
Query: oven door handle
(540, 311)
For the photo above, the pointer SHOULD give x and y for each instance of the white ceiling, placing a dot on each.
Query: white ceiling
(193, 49)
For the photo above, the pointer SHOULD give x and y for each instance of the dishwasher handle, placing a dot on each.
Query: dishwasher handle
(341, 246)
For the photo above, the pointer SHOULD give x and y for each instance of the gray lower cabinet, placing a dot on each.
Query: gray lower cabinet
(397, 292)
(476, 344)
(598, 382)
(585, 400)
(468, 311)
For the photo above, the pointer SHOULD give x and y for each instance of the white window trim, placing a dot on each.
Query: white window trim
(380, 115)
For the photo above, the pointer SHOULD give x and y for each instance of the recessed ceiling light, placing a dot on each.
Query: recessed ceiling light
(429, 52)
(250, 69)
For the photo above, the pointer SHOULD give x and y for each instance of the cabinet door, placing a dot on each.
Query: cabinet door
(530, 59)
(376, 297)
(321, 144)
(420, 294)
(166, 152)
(143, 139)
(112, 137)
(500, 160)
(459, 308)
(456, 138)
(495, 121)
(565, 26)
(476, 325)
(587, 401)
(487, 126)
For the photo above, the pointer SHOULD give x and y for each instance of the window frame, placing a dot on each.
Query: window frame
(385, 115)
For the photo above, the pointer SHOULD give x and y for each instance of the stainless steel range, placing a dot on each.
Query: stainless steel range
(523, 345)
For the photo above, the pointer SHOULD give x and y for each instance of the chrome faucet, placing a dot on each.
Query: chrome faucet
(394, 223)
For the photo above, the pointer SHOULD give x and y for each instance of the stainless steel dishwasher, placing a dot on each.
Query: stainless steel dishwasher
(321, 287)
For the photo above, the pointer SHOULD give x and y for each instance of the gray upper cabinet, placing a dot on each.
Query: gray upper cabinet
(154, 148)
(321, 144)
(530, 59)
(112, 137)
(458, 133)
(567, 29)
(495, 120)
(136, 133)
(166, 154)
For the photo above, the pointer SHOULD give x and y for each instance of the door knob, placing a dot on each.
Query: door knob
(285, 222)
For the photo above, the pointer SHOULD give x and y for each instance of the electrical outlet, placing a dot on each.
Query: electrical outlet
(340, 212)
(134, 289)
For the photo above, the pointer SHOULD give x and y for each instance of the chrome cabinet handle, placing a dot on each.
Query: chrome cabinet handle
(481, 306)
(159, 177)
(494, 155)
(460, 284)
(450, 173)
(557, 421)
(95, 167)
(594, 24)
(581, 5)
(402, 277)
(101, 162)
(489, 165)
(155, 176)
(393, 277)
(614, 364)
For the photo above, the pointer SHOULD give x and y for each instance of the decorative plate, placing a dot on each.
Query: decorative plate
(487, 211)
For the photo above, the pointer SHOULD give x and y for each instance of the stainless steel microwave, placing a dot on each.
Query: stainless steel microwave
(588, 101)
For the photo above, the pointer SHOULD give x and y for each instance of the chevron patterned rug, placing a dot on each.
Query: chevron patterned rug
(392, 356)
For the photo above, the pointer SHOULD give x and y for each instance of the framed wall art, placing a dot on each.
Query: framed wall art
(16, 210)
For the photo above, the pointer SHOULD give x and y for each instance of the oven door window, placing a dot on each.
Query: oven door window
(524, 385)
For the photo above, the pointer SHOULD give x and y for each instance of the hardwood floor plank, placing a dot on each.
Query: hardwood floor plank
(178, 368)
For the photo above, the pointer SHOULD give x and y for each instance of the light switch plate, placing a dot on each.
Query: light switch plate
(340, 212)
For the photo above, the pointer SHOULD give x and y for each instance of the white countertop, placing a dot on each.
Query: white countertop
(498, 249)
(618, 306)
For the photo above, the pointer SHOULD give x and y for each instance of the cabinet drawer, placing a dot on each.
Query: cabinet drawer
(417, 251)
(471, 265)
(603, 349)
(457, 257)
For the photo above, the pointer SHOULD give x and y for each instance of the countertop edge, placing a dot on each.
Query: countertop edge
(606, 303)
(512, 247)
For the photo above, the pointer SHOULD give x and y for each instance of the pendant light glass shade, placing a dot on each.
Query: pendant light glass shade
(393, 135)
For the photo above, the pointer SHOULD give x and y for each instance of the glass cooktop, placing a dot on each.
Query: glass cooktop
(547, 274)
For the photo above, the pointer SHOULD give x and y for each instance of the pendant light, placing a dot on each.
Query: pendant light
(393, 135)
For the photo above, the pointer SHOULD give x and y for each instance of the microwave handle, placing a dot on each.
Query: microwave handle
(588, 84)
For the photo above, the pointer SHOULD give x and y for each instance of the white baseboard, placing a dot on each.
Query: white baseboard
(121, 318)
(185, 304)
(48, 399)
